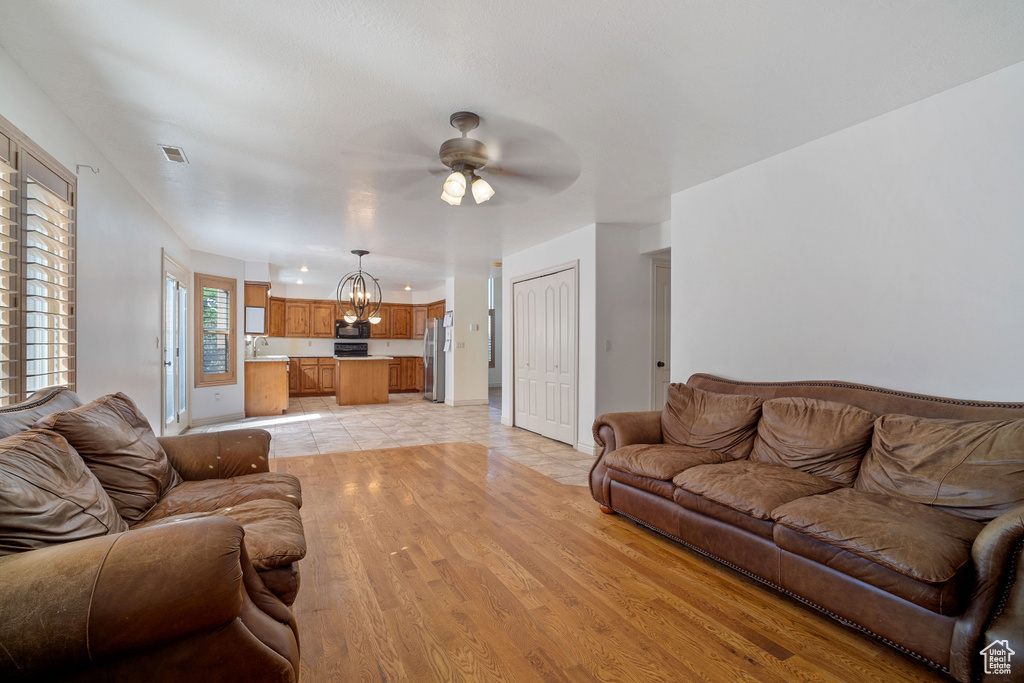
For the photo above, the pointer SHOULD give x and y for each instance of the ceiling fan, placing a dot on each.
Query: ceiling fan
(523, 161)
(464, 156)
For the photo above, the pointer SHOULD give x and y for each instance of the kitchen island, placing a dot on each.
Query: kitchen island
(266, 385)
(361, 379)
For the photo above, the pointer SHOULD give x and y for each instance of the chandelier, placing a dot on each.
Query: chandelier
(359, 296)
(464, 156)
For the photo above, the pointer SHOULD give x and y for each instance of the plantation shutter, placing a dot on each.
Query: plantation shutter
(215, 330)
(49, 278)
(8, 274)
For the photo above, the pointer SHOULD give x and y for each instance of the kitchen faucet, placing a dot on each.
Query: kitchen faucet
(255, 345)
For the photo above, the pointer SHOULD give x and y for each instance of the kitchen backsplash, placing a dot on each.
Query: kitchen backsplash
(293, 346)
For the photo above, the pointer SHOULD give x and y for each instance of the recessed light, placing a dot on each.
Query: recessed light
(304, 269)
(496, 264)
(408, 289)
(298, 282)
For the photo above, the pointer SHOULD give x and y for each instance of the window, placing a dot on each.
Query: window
(215, 330)
(37, 269)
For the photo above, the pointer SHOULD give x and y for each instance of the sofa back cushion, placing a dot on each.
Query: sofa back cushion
(120, 448)
(48, 495)
(971, 469)
(824, 438)
(702, 419)
(21, 416)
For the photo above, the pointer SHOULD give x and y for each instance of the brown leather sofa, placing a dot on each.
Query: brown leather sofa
(125, 560)
(897, 514)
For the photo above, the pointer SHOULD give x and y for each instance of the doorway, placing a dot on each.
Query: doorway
(174, 351)
(544, 353)
(661, 334)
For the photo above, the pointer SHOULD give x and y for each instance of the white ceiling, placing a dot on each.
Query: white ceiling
(311, 125)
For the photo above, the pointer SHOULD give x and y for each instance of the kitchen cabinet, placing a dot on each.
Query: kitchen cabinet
(254, 299)
(419, 321)
(255, 294)
(323, 318)
(395, 375)
(296, 318)
(275, 317)
(266, 387)
(401, 321)
(312, 376)
(412, 374)
(382, 330)
(361, 381)
(436, 309)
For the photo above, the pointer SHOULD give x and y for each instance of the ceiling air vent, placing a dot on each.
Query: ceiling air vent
(175, 154)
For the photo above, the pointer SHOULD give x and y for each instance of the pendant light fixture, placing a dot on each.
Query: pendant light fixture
(359, 295)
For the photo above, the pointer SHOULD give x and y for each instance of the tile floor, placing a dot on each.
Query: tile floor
(318, 425)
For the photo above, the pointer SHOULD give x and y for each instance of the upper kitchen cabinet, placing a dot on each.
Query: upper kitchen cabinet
(323, 313)
(255, 301)
(275, 317)
(436, 309)
(296, 318)
(419, 321)
(382, 330)
(401, 321)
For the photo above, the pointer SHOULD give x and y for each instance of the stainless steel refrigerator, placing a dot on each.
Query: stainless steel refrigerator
(433, 361)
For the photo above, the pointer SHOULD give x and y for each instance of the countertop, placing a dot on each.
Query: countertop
(284, 359)
(363, 358)
(267, 359)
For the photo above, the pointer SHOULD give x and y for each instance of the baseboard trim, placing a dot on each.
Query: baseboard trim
(467, 402)
(203, 421)
(588, 448)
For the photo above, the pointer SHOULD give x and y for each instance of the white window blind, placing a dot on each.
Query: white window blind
(37, 269)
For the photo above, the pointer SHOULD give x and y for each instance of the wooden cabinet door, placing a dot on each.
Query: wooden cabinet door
(323, 318)
(395, 375)
(382, 330)
(296, 318)
(294, 377)
(275, 317)
(401, 321)
(326, 366)
(418, 372)
(408, 374)
(436, 309)
(419, 321)
(256, 294)
(310, 376)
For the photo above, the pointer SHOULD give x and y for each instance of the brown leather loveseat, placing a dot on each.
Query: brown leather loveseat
(897, 514)
(125, 557)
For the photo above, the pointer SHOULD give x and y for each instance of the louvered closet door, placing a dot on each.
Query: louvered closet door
(545, 355)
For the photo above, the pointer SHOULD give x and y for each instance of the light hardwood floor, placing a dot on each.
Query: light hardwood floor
(319, 425)
(452, 562)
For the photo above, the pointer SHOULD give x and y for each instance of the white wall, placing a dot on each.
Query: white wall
(890, 253)
(579, 245)
(623, 318)
(119, 262)
(227, 402)
(466, 367)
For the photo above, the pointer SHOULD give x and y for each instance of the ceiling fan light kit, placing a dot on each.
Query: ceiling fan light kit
(464, 156)
(359, 295)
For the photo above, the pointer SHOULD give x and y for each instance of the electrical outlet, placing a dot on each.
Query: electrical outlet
(460, 345)
(309, 343)
(216, 397)
(607, 344)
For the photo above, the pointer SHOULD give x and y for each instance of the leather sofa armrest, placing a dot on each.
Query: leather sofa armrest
(79, 603)
(219, 455)
(614, 430)
(996, 609)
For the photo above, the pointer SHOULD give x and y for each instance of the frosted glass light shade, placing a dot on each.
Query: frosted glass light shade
(454, 201)
(455, 185)
(374, 319)
(482, 190)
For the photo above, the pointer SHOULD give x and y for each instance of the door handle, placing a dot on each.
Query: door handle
(661, 364)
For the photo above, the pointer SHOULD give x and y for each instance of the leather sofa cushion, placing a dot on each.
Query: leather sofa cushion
(204, 495)
(753, 488)
(915, 540)
(971, 469)
(273, 530)
(24, 415)
(825, 438)
(704, 419)
(660, 461)
(48, 496)
(118, 445)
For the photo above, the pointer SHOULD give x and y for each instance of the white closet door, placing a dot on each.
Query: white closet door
(545, 355)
